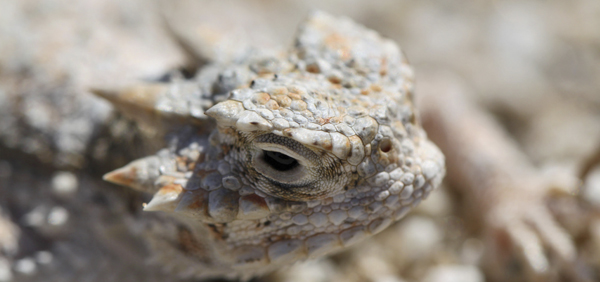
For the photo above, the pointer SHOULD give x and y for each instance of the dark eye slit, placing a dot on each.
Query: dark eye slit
(279, 161)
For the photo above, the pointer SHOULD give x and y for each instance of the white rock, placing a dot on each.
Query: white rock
(454, 273)
(5, 273)
(419, 237)
(64, 183)
(25, 266)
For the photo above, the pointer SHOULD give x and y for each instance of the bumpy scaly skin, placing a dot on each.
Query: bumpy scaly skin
(339, 103)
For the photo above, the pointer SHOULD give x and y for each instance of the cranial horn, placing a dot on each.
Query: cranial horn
(226, 113)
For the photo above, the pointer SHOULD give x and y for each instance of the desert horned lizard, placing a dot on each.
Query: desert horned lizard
(287, 157)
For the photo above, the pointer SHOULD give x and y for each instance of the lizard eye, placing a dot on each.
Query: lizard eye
(279, 161)
(289, 170)
(280, 164)
(282, 160)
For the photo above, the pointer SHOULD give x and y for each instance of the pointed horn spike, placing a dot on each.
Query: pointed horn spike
(141, 95)
(125, 176)
(137, 102)
(166, 199)
(226, 113)
(139, 174)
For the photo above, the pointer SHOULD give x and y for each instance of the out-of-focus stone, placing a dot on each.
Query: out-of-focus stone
(58, 216)
(5, 272)
(64, 183)
(418, 237)
(44, 257)
(437, 204)
(471, 251)
(9, 235)
(315, 270)
(25, 266)
(591, 189)
(454, 273)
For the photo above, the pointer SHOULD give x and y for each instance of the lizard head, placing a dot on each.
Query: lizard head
(308, 158)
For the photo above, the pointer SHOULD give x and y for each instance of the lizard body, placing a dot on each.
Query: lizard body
(311, 152)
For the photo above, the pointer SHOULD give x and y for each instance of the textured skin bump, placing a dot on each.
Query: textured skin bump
(272, 165)
(286, 251)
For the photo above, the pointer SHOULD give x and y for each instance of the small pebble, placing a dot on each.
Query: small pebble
(472, 251)
(25, 266)
(44, 257)
(64, 183)
(315, 270)
(419, 237)
(58, 216)
(35, 217)
(437, 204)
(454, 273)
(5, 273)
(591, 189)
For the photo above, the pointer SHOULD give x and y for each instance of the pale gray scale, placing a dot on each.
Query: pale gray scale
(392, 201)
(366, 129)
(379, 224)
(280, 123)
(267, 65)
(313, 126)
(212, 181)
(267, 114)
(382, 195)
(329, 128)
(345, 129)
(380, 179)
(374, 207)
(312, 108)
(321, 244)
(419, 181)
(231, 182)
(407, 178)
(357, 211)
(430, 169)
(260, 84)
(286, 251)
(396, 187)
(294, 124)
(356, 111)
(224, 168)
(367, 168)
(386, 131)
(300, 119)
(396, 174)
(241, 94)
(407, 192)
(353, 235)
(223, 205)
(249, 105)
(337, 216)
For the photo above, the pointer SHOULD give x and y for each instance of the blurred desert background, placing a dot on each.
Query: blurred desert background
(534, 65)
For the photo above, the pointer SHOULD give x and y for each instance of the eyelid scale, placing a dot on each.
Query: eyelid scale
(286, 151)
